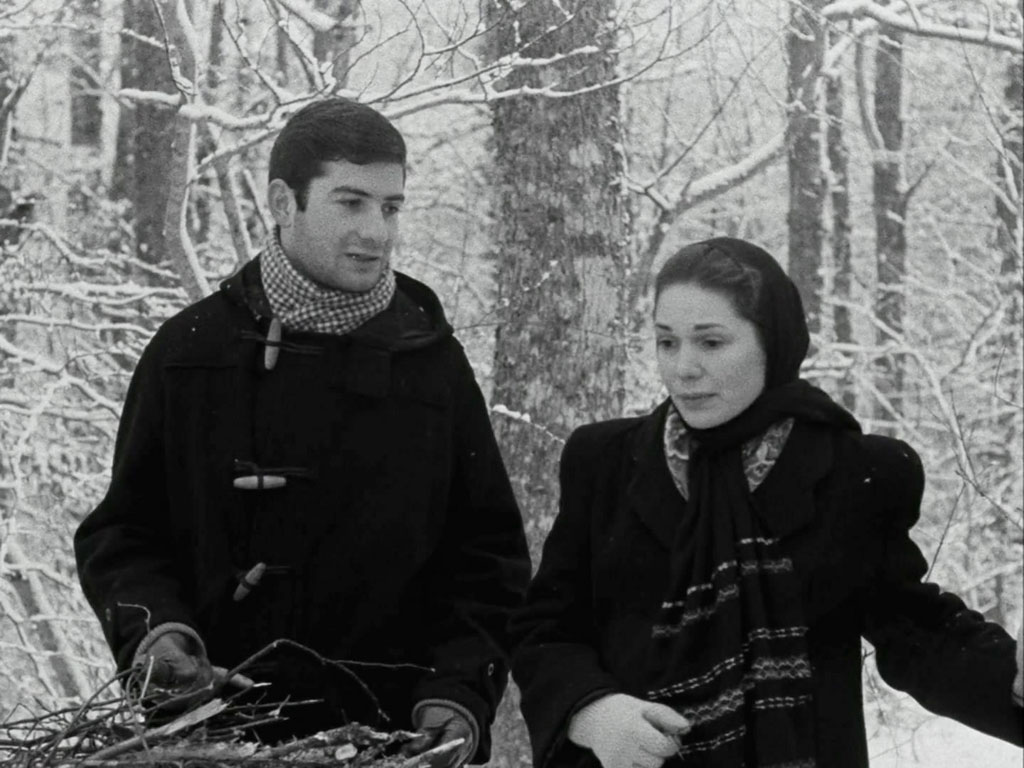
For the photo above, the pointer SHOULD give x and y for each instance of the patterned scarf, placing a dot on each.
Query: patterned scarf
(302, 305)
(729, 645)
(759, 455)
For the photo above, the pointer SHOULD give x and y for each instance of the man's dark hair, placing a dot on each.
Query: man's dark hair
(332, 129)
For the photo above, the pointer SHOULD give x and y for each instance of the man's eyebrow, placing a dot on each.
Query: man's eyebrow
(344, 189)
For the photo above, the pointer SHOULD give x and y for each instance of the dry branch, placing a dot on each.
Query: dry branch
(120, 732)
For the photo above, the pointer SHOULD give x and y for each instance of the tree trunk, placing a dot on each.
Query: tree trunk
(178, 174)
(1009, 165)
(842, 253)
(562, 234)
(890, 209)
(805, 45)
(335, 45)
(144, 143)
(1006, 451)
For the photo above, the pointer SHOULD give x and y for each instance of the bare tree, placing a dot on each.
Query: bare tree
(562, 235)
(842, 223)
(890, 209)
(806, 46)
(144, 144)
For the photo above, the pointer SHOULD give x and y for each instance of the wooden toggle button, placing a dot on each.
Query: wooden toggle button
(259, 482)
(272, 349)
(249, 582)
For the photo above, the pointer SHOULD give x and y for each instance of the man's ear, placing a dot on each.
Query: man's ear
(283, 205)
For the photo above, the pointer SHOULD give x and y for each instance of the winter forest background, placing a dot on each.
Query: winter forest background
(559, 149)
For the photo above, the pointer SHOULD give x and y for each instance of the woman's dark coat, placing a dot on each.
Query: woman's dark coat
(586, 628)
(396, 540)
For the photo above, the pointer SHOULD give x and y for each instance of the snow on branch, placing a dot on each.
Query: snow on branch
(717, 182)
(524, 418)
(121, 293)
(149, 97)
(52, 367)
(316, 20)
(915, 25)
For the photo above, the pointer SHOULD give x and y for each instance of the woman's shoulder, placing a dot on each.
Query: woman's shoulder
(885, 455)
(891, 465)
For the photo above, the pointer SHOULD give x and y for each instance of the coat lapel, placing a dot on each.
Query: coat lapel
(651, 495)
(785, 500)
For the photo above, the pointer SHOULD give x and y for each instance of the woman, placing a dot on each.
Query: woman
(704, 589)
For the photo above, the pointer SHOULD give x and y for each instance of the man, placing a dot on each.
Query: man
(306, 455)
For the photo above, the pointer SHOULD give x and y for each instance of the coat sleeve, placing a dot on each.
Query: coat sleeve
(122, 547)
(927, 642)
(479, 571)
(556, 663)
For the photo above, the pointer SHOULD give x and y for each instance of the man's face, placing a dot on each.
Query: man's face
(344, 237)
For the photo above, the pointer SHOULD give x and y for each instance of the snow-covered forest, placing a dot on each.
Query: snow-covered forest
(559, 149)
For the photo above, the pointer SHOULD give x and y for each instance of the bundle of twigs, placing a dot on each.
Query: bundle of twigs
(147, 727)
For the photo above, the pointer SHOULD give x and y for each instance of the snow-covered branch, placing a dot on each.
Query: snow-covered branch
(311, 17)
(917, 25)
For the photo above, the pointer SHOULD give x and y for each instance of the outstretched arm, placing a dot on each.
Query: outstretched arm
(927, 642)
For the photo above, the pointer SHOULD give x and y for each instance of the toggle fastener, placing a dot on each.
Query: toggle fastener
(259, 482)
(249, 582)
(273, 348)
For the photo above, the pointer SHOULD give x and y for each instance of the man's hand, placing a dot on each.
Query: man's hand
(626, 732)
(178, 665)
(1018, 682)
(439, 725)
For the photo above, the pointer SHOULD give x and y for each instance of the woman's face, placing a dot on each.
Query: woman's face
(709, 357)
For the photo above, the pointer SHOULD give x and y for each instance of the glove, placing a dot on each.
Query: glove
(1018, 681)
(438, 725)
(626, 732)
(177, 664)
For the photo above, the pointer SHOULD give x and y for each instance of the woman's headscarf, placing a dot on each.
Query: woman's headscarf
(729, 647)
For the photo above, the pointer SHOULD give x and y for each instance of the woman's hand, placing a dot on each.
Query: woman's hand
(626, 732)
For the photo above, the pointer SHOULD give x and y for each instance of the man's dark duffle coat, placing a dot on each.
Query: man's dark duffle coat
(396, 538)
(586, 627)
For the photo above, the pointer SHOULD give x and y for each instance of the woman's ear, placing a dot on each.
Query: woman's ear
(281, 199)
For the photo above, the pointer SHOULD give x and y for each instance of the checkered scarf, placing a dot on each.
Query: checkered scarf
(302, 305)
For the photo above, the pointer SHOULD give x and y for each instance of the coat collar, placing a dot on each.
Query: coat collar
(651, 494)
(413, 320)
(654, 498)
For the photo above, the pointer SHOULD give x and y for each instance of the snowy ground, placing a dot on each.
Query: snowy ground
(939, 743)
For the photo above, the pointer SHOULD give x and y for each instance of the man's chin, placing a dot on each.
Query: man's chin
(358, 283)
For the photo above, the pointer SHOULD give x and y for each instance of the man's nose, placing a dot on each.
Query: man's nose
(374, 227)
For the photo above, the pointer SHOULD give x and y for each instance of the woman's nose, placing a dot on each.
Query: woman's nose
(688, 365)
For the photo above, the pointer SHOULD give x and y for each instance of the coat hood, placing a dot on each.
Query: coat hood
(413, 320)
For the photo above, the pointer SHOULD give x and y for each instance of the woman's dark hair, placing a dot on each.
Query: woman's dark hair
(332, 129)
(716, 270)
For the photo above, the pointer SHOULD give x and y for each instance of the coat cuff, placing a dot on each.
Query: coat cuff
(139, 659)
(466, 715)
